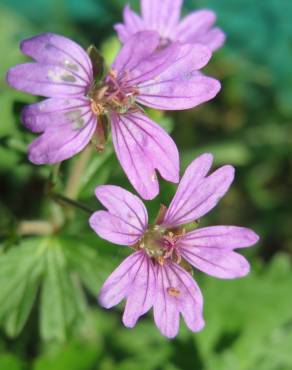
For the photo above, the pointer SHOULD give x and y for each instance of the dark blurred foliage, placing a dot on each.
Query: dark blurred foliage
(48, 311)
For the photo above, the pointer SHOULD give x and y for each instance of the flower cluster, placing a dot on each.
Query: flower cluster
(158, 273)
(142, 73)
(158, 66)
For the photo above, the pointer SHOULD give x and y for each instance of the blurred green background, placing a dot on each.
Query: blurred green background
(48, 286)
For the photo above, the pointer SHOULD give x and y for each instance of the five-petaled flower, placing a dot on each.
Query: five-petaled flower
(164, 79)
(158, 274)
(163, 17)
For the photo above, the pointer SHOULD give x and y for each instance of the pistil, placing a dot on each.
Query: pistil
(160, 244)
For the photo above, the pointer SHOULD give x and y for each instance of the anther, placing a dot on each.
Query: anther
(101, 93)
(160, 260)
(113, 73)
(96, 108)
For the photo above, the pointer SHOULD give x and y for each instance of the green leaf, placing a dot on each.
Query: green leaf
(97, 172)
(20, 273)
(11, 362)
(85, 260)
(150, 338)
(92, 259)
(9, 159)
(17, 319)
(56, 266)
(74, 356)
(62, 300)
(245, 316)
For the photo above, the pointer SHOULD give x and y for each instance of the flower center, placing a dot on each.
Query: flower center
(113, 94)
(160, 244)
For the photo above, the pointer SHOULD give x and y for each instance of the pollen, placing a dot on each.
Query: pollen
(173, 292)
(113, 73)
(97, 108)
(160, 260)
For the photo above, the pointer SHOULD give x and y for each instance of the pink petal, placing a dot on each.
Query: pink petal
(224, 264)
(46, 80)
(126, 219)
(134, 280)
(141, 295)
(210, 250)
(141, 147)
(118, 284)
(135, 50)
(62, 142)
(197, 194)
(153, 65)
(180, 86)
(139, 60)
(221, 237)
(195, 25)
(55, 112)
(132, 24)
(52, 49)
(177, 292)
(214, 38)
(192, 177)
(122, 31)
(114, 229)
(161, 16)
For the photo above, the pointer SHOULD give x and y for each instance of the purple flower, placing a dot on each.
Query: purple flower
(158, 273)
(163, 16)
(72, 115)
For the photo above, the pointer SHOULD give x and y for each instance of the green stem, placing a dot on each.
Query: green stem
(63, 199)
(55, 173)
(76, 172)
(36, 227)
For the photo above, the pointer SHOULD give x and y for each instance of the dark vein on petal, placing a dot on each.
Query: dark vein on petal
(126, 222)
(153, 138)
(173, 268)
(185, 197)
(76, 60)
(187, 252)
(123, 200)
(108, 286)
(71, 138)
(163, 290)
(136, 141)
(137, 78)
(205, 199)
(118, 127)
